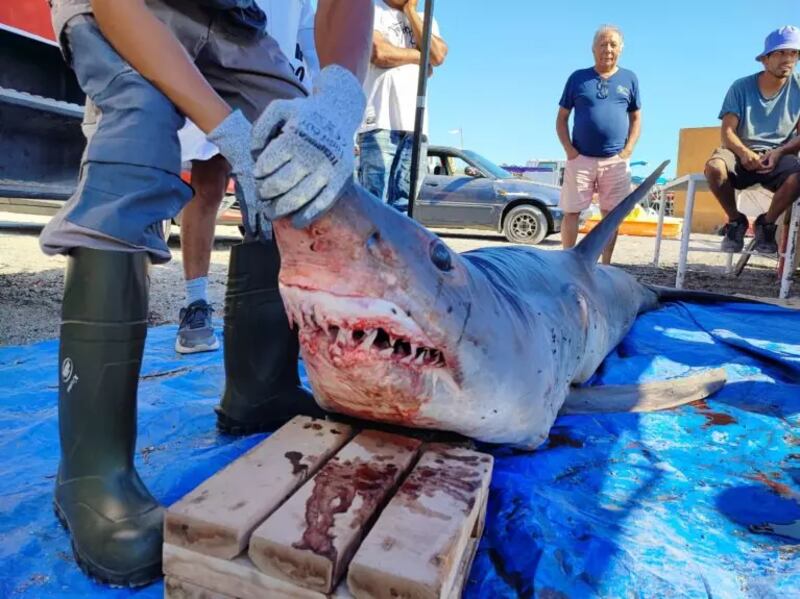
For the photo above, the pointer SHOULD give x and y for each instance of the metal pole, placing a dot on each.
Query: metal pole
(660, 228)
(422, 84)
(791, 250)
(683, 257)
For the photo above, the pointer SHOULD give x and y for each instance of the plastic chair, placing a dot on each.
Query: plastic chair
(697, 181)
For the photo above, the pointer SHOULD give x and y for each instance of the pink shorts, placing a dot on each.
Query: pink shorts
(609, 178)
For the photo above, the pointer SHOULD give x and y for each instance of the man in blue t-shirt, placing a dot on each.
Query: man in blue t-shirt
(605, 130)
(760, 122)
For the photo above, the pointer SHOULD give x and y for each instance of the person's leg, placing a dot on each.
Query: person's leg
(608, 251)
(613, 185)
(786, 195)
(262, 386)
(209, 179)
(399, 192)
(114, 521)
(423, 165)
(110, 230)
(569, 229)
(576, 195)
(786, 182)
(198, 221)
(377, 152)
(718, 172)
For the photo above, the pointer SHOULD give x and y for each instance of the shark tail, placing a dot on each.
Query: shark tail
(592, 245)
(645, 397)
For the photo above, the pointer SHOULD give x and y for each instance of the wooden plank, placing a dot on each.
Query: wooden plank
(418, 543)
(462, 574)
(237, 577)
(309, 540)
(219, 515)
(477, 531)
(175, 588)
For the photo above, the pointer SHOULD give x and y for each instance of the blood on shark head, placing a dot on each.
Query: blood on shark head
(353, 284)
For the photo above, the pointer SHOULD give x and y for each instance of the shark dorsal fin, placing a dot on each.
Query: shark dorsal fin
(592, 245)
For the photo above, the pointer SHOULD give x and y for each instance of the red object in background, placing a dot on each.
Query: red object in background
(31, 16)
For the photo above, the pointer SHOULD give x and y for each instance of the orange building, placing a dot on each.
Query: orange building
(695, 146)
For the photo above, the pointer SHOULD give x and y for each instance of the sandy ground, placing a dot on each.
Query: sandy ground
(31, 283)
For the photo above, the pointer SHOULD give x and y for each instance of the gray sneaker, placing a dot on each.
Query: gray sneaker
(196, 333)
(734, 235)
(765, 237)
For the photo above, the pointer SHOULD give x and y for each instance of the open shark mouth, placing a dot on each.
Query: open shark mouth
(348, 331)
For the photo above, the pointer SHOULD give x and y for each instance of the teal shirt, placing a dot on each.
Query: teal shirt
(764, 123)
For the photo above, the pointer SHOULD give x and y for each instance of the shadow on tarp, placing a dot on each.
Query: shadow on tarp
(612, 505)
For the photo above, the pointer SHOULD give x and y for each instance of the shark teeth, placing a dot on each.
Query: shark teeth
(338, 309)
(370, 327)
(369, 339)
(378, 342)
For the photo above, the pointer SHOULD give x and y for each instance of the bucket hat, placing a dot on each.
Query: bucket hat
(785, 38)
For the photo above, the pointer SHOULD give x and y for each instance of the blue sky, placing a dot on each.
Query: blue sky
(509, 59)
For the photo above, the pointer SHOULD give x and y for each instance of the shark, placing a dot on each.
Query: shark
(396, 327)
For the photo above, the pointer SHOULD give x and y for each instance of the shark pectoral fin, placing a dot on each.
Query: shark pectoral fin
(644, 397)
(791, 531)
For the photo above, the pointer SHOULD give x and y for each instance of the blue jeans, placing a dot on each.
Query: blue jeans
(384, 165)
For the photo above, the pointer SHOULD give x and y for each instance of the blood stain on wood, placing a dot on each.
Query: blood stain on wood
(294, 457)
(335, 488)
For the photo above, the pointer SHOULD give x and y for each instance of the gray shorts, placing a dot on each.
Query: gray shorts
(130, 176)
(741, 178)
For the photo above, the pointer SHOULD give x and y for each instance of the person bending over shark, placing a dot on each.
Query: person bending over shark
(145, 66)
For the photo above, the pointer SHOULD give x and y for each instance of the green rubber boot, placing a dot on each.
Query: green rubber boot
(262, 387)
(114, 522)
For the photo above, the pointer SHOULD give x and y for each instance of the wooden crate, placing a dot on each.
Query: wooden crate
(322, 509)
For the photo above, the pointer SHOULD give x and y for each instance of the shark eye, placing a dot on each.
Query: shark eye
(440, 256)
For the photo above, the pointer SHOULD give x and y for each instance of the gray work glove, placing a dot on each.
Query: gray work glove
(304, 147)
(232, 137)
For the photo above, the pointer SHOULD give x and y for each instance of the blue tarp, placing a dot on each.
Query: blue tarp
(679, 503)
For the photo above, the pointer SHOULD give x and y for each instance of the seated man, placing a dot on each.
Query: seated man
(759, 141)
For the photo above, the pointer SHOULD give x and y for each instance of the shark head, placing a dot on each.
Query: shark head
(393, 325)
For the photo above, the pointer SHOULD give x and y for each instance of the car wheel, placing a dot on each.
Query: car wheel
(525, 224)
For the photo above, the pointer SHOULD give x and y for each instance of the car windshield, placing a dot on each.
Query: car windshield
(488, 165)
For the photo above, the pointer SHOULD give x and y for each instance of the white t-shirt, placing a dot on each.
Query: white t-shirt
(392, 93)
(291, 24)
(288, 23)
